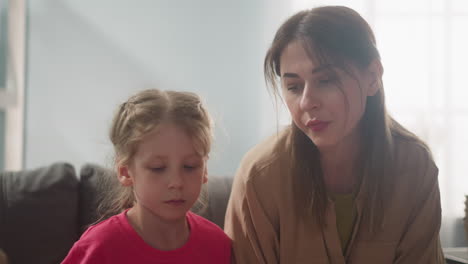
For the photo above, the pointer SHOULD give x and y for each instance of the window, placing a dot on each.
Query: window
(12, 39)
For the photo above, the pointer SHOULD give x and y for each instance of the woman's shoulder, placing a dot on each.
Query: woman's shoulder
(268, 155)
(414, 160)
(411, 152)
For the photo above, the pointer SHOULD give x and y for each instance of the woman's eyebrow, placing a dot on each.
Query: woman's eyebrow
(321, 68)
(290, 75)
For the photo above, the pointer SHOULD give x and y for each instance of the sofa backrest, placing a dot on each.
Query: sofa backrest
(38, 213)
(45, 210)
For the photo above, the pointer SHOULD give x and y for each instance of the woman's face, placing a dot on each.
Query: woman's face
(325, 102)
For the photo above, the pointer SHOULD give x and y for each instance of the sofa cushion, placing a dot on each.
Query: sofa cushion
(3, 257)
(219, 189)
(38, 213)
(91, 191)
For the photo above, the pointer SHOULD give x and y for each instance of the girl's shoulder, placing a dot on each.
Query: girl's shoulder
(208, 240)
(206, 228)
(96, 243)
(106, 230)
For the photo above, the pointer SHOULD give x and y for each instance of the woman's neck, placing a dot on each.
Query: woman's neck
(159, 234)
(339, 164)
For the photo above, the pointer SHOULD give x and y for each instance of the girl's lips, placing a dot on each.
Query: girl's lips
(175, 202)
(317, 125)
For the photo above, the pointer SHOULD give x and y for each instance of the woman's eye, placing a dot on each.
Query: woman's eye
(293, 88)
(326, 80)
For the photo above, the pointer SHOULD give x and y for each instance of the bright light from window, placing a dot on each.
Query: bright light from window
(423, 44)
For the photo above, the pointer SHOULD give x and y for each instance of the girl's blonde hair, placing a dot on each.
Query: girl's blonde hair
(138, 116)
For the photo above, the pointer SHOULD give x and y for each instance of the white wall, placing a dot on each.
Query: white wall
(84, 57)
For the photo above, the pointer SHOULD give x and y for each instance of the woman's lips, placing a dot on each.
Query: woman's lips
(317, 125)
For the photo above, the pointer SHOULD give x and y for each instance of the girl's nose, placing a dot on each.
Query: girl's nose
(175, 180)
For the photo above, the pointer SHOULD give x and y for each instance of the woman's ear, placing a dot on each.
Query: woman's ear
(124, 175)
(375, 73)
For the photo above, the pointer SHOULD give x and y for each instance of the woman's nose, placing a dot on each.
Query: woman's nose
(309, 99)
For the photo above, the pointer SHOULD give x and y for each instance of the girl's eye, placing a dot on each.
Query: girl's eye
(158, 169)
(190, 167)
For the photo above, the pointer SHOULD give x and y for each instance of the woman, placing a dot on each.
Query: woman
(345, 183)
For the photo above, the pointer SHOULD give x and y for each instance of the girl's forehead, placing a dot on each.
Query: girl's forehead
(167, 139)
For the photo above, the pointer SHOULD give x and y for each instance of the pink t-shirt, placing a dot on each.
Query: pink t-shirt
(115, 241)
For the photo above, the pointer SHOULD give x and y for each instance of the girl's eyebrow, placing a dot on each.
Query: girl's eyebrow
(161, 157)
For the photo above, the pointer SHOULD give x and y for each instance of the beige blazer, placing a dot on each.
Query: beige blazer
(264, 229)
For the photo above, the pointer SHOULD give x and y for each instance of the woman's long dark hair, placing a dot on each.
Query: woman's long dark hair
(340, 36)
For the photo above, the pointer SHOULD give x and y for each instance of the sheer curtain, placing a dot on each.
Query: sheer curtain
(423, 45)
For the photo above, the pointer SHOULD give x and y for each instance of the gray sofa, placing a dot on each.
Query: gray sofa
(45, 210)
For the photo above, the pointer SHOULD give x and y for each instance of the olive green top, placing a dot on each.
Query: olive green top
(345, 217)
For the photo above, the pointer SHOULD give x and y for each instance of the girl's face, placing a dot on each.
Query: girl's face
(166, 173)
(325, 102)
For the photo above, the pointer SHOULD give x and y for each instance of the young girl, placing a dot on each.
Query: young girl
(345, 183)
(161, 140)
